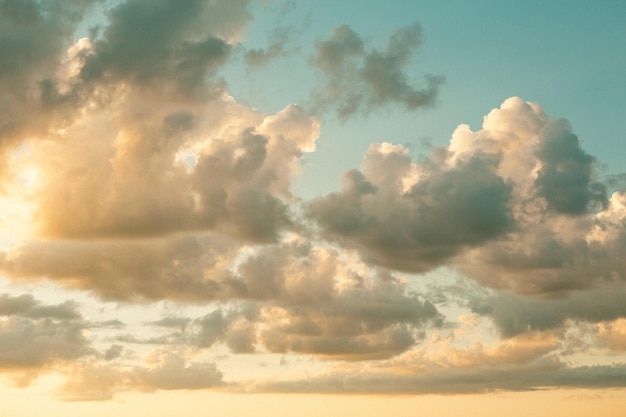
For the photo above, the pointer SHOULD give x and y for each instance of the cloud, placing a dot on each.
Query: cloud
(414, 217)
(516, 206)
(168, 371)
(33, 37)
(163, 169)
(148, 43)
(542, 375)
(358, 81)
(162, 370)
(555, 257)
(280, 39)
(113, 352)
(26, 305)
(333, 308)
(613, 335)
(179, 268)
(523, 363)
(34, 335)
(565, 179)
(518, 314)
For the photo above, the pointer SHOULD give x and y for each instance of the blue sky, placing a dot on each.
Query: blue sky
(570, 58)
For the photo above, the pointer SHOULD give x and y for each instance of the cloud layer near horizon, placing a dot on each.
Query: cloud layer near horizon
(140, 180)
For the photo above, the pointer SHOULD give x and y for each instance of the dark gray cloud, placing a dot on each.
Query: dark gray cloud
(566, 177)
(486, 204)
(554, 257)
(171, 50)
(33, 38)
(514, 315)
(26, 305)
(358, 81)
(146, 42)
(420, 225)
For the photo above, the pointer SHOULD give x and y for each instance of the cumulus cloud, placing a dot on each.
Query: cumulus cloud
(565, 179)
(33, 37)
(162, 370)
(167, 370)
(357, 80)
(127, 115)
(516, 205)
(306, 299)
(34, 335)
(147, 42)
(514, 314)
(170, 168)
(331, 307)
(612, 335)
(414, 217)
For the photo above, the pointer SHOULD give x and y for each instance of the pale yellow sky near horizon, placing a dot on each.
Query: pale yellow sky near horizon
(548, 403)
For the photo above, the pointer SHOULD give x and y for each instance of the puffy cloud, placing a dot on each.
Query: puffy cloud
(613, 335)
(309, 300)
(565, 179)
(33, 37)
(327, 307)
(162, 169)
(179, 268)
(539, 154)
(146, 42)
(162, 370)
(557, 256)
(517, 314)
(298, 297)
(358, 81)
(34, 335)
(230, 327)
(515, 206)
(26, 305)
(414, 217)
(166, 370)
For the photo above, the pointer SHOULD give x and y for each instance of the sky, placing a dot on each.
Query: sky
(312, 208)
